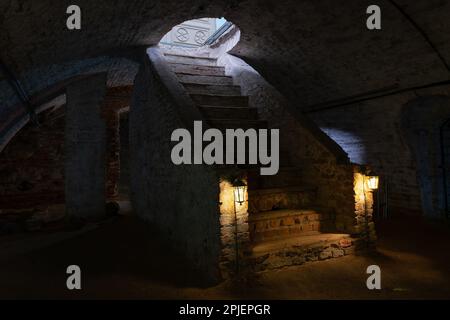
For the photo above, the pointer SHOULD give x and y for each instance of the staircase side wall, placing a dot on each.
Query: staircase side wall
(178, 202)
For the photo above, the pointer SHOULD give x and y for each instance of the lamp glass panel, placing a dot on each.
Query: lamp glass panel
(239, 194)
(373, 182)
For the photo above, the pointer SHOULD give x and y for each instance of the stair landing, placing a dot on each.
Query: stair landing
(298, 250)
(312, 239)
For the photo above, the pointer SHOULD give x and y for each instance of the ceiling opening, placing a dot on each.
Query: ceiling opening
(205, 36)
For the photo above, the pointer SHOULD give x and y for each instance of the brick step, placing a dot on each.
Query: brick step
(224, 90)
(197, 69)
(287, 223)
(229, 113)
(224, 124)
(299, 249)
(220, 100)
(199, 61)
(295, 197)
(205, 80)
(286, 176)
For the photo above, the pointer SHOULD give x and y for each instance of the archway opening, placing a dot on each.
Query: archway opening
(203, 37)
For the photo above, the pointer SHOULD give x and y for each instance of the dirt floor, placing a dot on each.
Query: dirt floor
(414, 257)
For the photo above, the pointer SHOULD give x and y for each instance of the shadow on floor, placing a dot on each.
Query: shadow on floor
(122, 260)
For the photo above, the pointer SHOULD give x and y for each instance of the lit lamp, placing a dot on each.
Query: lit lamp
(239, 191)
(372, 182)
(239, 188)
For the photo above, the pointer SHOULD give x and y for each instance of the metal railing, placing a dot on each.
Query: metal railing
(219, 32)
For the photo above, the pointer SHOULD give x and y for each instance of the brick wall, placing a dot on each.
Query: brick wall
(32, 164)
(117, 100)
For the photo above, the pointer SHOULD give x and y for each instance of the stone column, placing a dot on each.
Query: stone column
(85, 148)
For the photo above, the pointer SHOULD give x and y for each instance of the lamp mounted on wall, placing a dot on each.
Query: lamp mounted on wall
(239, 190)
(373, 182)
(239, 187)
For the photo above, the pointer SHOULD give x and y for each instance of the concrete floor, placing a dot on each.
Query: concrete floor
(414, 258)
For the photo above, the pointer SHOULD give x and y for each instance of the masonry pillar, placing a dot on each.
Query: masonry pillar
(85, 148)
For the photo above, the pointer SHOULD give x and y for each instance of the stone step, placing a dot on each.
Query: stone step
(295, 197)
(277, 224)
(224, 124)
(197, 69)
(220, 100)
(199, 61)
(244, 124)
(205, 80)
(224, 90)
(229, 113)
(299, 249)
(286, 177)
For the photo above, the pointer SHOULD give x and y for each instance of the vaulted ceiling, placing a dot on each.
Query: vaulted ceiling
(313, 51)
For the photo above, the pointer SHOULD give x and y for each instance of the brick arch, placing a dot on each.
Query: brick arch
(49, 92)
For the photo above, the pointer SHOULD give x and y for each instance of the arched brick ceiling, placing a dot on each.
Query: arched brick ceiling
(312, 50)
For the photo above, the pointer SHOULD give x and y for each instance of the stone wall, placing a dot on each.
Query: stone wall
(323, 164)
(234, 231)
(398, 136)
(181, 203)
(363, 197)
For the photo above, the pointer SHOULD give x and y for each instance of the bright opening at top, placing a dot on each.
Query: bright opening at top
(195, 33)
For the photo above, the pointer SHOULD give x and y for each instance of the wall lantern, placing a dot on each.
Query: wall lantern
(239, 188)
(372, 182)
(239, 191)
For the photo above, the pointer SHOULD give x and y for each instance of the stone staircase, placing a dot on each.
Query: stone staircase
(281, 208)
(218, 99)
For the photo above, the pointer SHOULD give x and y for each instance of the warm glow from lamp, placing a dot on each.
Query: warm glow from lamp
(228, 199)
(372, 182)
(239, 194)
